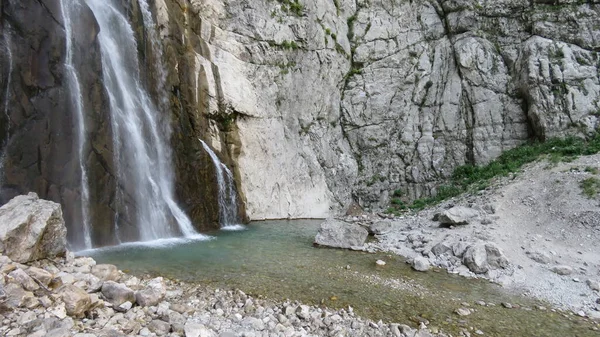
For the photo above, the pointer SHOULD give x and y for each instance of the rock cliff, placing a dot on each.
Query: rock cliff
(330, 102)
(314, 104)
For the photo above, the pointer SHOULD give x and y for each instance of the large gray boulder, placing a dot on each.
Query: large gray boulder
(481, 257)
(458, 215)
(32, 229)
(339, 234)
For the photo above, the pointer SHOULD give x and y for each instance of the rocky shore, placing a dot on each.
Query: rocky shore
(47, 291)
(535, 233)
(74, 296)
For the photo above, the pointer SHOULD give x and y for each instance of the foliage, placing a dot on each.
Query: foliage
(590, 187)
(472, 178)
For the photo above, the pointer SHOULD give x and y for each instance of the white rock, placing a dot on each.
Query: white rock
(420, 263)
(32, 229)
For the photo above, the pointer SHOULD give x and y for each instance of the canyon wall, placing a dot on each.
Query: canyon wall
(314, 104)
(335, 102)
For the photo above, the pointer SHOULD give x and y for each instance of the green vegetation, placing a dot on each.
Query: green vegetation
(592, 170)
(292, 6)
(590, 187)
(291, 45)
(468, 178)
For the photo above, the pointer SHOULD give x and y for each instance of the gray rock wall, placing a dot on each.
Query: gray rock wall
(350, 100)
(314, 104)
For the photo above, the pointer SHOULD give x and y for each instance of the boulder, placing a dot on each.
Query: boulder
(76, 300)
(106, 272)
(420, 263)
(20, 277)
(161, 328)
(153, 294)
(197, 330)
(442, 248)
(380, 227)
(40, 274)
(539, 257)
(339, 234)
(562, 270)
(458, 215)
(117, 293)
(594, 285)
(16, 296)
(32, 229)
(481, 257)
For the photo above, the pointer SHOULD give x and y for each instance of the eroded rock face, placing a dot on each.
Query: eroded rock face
(32, 229)
(312, 109)
(350, 102)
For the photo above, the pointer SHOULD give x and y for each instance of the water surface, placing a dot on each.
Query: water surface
(276, 259)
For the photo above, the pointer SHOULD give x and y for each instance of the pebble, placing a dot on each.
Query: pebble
(380, 263)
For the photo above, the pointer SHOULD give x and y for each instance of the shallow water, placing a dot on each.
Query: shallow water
(276, 259)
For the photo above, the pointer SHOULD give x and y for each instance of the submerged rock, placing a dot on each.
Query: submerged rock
(339, 234)
(32, 229)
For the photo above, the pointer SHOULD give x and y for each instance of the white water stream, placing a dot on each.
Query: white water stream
(71, 9)
(227, 197)
(142, 155)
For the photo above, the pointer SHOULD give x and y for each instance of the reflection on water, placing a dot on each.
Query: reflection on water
(276, 259)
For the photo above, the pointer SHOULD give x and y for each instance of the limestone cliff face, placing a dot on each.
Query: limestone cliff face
(314, 104)
(329, 102)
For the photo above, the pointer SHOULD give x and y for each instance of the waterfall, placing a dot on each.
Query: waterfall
(157, 51)
(227, 197)
(6, 99)
(70, 9)
(142, 155)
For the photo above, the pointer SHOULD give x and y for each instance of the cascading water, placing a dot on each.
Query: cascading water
(142, 156)
(6, 98)
(227, 198)
(151, 32)
(69, 10)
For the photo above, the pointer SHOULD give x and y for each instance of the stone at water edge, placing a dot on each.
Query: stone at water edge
(420, 263)
(458, 215)
(339, 234)
(106, 272)
(32, 229)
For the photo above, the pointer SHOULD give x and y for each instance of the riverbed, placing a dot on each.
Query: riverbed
(276, 259)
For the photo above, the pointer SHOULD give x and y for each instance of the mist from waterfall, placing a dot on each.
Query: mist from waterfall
(142, 154)
(70, 9)
(227, 196)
